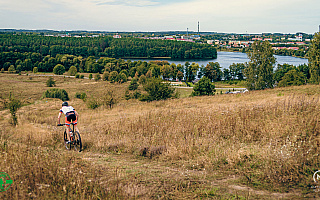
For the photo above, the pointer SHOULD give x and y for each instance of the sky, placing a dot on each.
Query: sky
(223, 16)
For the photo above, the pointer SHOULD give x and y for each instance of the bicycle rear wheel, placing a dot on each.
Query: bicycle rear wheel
(66, 141)
(77, 141)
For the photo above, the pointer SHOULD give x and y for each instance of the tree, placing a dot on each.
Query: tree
(236, 71)
(281, 70)
(59, 69)
(133, 84)
(165, 71)
(72, 71)
(213, 71)
(203, 87)
(97, 77)
(13, 105)
(142, 79)
(105, 76)
(11, 69)
(259, 70)
(50, 82)
(314, 59)
(110, 99)
(122, 78)
(113, 76)
(292, 77)
(180, 75)
(226, 74)
(157, 90)
(35, 70)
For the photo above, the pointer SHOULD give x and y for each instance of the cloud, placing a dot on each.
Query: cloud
(160, 15)
(137, 3)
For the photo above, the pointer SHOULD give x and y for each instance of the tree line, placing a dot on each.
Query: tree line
(102, 47)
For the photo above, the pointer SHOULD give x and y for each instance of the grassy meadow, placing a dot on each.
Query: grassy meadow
(256, 145)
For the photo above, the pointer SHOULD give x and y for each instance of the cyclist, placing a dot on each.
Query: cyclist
(71, 115)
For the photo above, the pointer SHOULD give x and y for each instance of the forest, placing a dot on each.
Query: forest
(102, 47)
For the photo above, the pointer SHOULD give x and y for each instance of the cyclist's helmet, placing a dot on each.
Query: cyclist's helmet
(65, 103)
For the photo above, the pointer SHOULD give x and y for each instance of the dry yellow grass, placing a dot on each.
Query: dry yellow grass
(261, 144)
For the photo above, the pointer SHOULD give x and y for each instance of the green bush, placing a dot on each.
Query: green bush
(90, 76)
(81, 95)
(56, 93)
(157, 90)
(203, 87)
(82, 76)
(59, 69)
(72, 71)
(133, 84)
(97, 77)
(13, 105)
(122, 78)
(113, 76)
(93, 103)
(50, 82)
(77, 75)
(105, 76)
(35, 70)
(11, 69)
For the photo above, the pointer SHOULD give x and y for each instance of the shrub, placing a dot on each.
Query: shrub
(142, 79)
(90, 76)
(72, 71)
(56, 93)
(124, 72)
(97, 77)
(11, 69)
(59, 69)
(105, 76)
(81, 95)
(82, 76)
(203, 87)
(35, 70)
(292, 77)
(157, 90)
(122, 78)
(93, 103)
(133, 84)
(113, 76)
(110, 99)
(50, 82)
(77, 76)
(13, 105)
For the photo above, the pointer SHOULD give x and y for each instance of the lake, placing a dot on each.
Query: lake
(225, 59)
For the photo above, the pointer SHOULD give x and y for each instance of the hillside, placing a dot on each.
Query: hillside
(257, 145)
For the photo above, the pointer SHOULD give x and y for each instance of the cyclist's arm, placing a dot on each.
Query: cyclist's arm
(59, 117)
(77, 114)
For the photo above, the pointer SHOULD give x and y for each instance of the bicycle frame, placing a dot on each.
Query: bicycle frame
(74, 141)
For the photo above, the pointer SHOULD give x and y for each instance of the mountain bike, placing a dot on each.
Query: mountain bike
(75, 139)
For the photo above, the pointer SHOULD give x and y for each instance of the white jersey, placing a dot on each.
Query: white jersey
(66, 109)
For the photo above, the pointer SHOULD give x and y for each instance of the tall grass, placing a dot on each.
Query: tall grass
(268, 139)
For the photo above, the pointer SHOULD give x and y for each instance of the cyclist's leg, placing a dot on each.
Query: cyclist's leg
(74, 121)
(76, 128)
(67, 126)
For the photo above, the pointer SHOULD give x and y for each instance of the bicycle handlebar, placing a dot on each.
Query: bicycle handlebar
(65, 124)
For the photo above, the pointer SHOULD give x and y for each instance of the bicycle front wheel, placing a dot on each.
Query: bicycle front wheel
(67, 144)
(77, 141)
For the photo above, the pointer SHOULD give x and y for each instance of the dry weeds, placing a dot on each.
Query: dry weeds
(175, 149)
